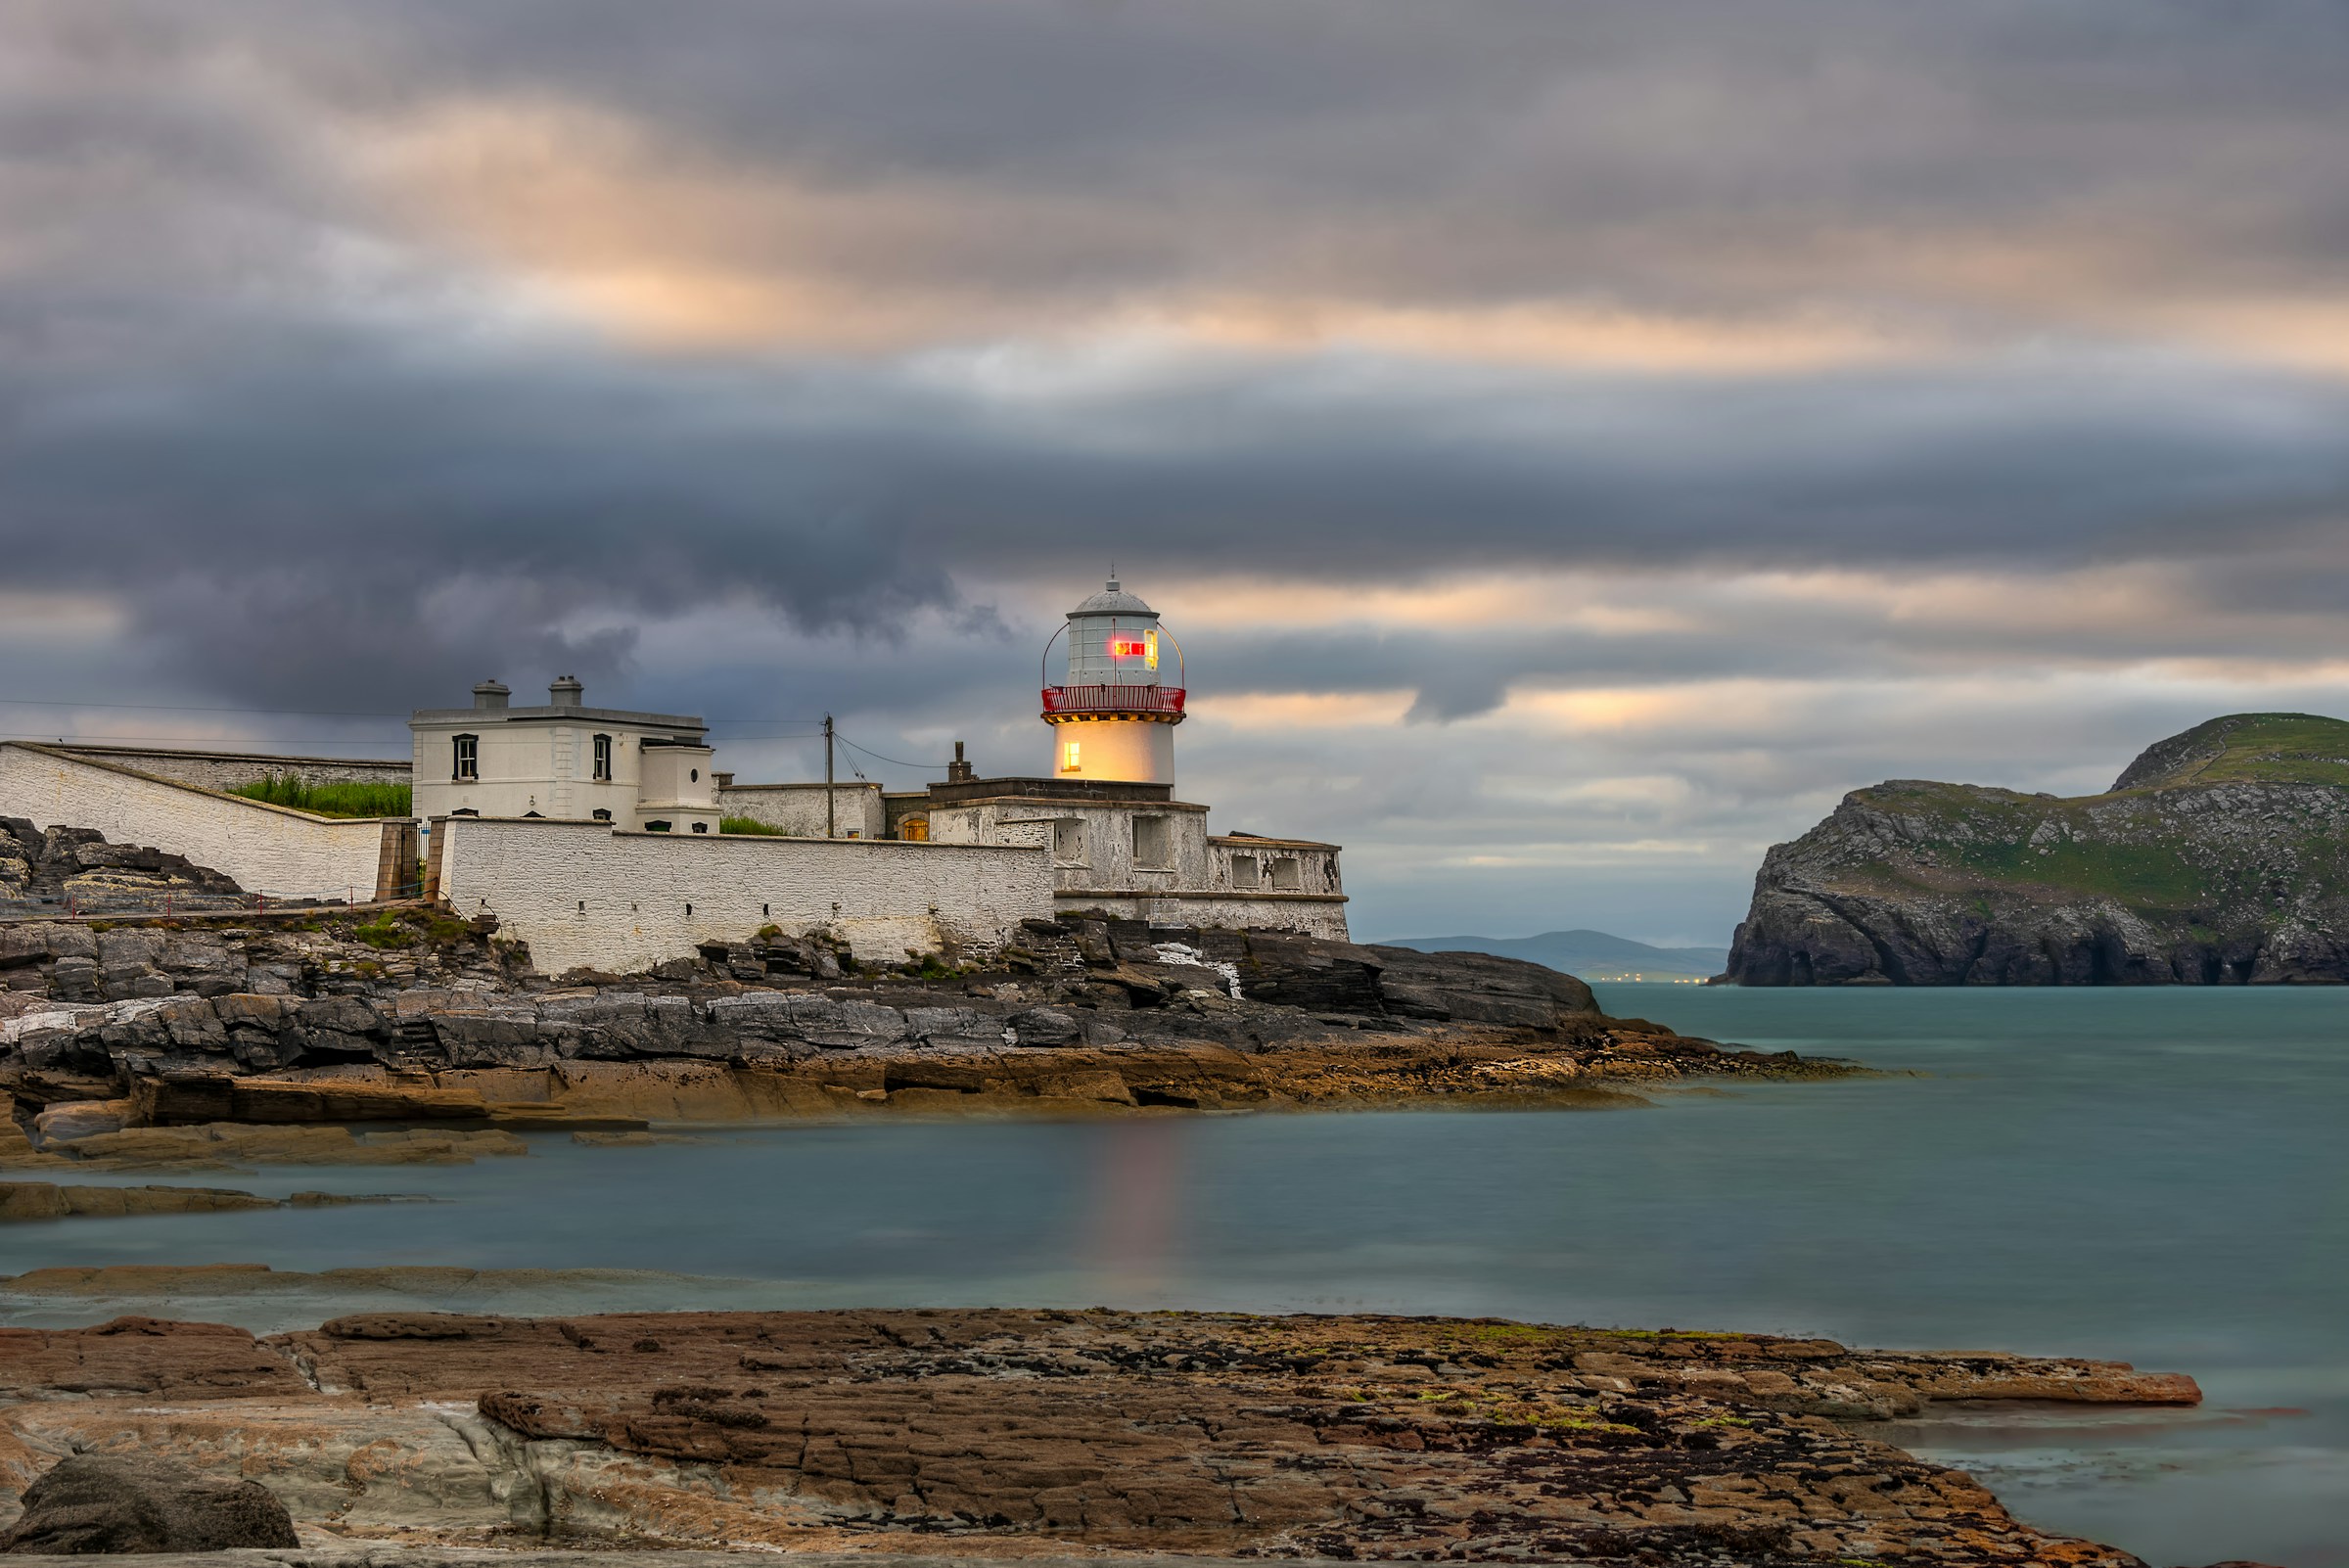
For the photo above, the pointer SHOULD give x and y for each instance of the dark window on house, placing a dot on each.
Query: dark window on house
(693, 776)
(703, 827)
(603, 760)
(656, 827)
(600, 815)
(467, 759)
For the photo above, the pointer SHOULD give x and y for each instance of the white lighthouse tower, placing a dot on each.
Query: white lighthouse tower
(1114, 718)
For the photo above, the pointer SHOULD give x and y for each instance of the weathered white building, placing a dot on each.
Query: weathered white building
(571, 823)
(565, 761)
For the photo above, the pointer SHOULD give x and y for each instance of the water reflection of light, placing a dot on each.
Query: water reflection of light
(1138, 1214)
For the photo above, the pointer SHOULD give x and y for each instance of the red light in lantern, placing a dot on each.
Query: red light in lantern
(1122, 647)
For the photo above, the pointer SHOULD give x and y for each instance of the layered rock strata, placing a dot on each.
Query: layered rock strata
(1357, 1438)
(67, 864)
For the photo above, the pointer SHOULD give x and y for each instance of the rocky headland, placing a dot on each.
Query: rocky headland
(1018, 1433)
(2220, 856)
(213, 1043)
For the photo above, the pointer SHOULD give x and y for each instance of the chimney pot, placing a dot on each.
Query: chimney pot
(565, 691)
(491, 694)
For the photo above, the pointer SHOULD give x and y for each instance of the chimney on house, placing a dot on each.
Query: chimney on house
(491, 694)
(959, 771)
(565, 692)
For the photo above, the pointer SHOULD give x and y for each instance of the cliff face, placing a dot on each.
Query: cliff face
(2220, 856)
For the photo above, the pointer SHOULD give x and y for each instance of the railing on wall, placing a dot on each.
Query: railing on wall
(1113, 699)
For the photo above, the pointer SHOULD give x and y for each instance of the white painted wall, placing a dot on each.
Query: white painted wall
(1104, 858)
(1293, 865)
(228, 771)
(1314, 914)
(547, 765)
(678, 788)
(799, 808)
(268, 849)
(653, 896)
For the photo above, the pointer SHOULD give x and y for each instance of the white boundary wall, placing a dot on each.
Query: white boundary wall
(268, 849)
(652, 897)
(1312, 914)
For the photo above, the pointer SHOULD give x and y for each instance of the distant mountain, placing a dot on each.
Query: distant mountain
(2220, 856)
(1585, 955)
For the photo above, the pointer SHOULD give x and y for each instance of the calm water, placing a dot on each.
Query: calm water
(2158, 1177)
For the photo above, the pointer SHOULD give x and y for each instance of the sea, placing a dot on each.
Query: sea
(2152, 1175)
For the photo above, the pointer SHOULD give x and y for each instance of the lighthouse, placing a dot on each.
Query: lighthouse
(1113, 720)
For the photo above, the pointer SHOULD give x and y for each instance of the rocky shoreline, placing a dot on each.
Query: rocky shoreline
(218, 1045)
(1016, 1433)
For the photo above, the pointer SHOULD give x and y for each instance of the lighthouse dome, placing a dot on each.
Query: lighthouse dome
(1112, 600)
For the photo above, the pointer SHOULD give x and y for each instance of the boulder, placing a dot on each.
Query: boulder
(108, 1503)
(80, 1119)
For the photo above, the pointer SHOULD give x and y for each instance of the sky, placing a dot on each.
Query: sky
(1573, 443)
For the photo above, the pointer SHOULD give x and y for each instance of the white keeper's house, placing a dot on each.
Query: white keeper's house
(645, 771)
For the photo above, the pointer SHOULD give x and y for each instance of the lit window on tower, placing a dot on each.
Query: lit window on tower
(1068, 757)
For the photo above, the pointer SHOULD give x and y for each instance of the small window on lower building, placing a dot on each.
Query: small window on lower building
(656, 827)
(1244, 872)
(603, 760)
(1287, 874)
(701, 827)
(1068, 840)
(1153, 844)
(600, 815)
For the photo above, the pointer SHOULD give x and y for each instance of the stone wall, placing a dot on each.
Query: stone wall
(1096, 849)
(799, 808)
(228, 771)
(583, 896)
(1313, 914)
(268, 849)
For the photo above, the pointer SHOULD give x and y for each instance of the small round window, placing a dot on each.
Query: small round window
(693, 777)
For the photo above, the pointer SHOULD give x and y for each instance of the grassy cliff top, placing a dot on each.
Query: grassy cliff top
(2247, 748)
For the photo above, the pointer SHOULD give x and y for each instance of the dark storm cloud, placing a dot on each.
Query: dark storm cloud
(355, 351)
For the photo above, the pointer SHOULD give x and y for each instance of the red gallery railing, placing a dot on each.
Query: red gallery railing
(1113, 700)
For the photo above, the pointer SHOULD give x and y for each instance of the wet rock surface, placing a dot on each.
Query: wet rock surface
(90, 1504)
(414, 1017)
(1352, 1438)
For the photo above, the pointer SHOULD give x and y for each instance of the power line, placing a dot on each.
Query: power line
(312, 712)
(878, 758)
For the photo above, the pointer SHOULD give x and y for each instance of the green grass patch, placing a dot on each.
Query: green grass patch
(2263, 748)
(331, 799)
(750, 825)
(383, 933)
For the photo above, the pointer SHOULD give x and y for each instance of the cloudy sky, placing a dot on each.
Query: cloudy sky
(1574, 442)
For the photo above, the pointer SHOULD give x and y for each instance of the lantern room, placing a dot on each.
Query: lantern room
(1113, 717)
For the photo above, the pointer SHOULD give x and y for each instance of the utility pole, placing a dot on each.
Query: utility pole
(830, 825)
